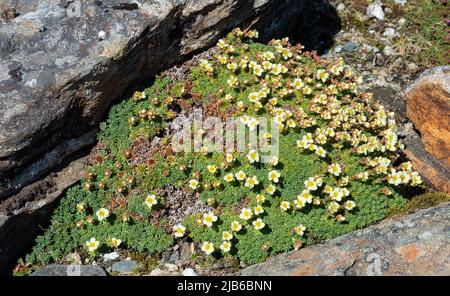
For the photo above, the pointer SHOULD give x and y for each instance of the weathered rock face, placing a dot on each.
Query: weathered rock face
(70, 270)
(428, 107)
(62, 63)
(416, 244)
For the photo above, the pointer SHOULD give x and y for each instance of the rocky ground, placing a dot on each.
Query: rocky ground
(377, 44)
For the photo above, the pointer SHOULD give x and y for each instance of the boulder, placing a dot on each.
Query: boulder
(428, 107)
(62, 63)
(415, 244)
(70, 270)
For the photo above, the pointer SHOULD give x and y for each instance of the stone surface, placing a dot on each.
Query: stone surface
(57, 77)
(428, 107)
(70, 270)
(416, 244)
(125, 266)
(24, 215)
(189, 272)
(61, 66)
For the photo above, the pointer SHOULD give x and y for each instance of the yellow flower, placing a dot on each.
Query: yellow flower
(253, 156)
(246, 214)
(258, 224)
(209, 219)
(271, 189)
(102, 214)
(193, 184)
(227, 236)
(240, 175)
(228, 177)
(92, 244)
(251, 182)
(236, 226)
(207, 247)
(258, 210)
(285, 205)
(225, 246)
(179, 230)
(274, 176)
(212, 169)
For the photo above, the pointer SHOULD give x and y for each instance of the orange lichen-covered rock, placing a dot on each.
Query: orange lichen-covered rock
(428, 107)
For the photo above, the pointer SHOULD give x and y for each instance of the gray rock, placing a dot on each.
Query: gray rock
(416, 244)
(70, 270)
(125, 266)
(189, 272)
(174, 257)
(159, 272)
(340, 7)
(375, 10)
(351, 46)
(110, 256)
(186, 252)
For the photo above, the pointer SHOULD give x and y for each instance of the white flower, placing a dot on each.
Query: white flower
(271, 189)
(300, 229)
(251, 182)
(212, 169)
(336, 194)
(92, 244)
(240, 175)
(258, 224)
(306, 196)
(115, 242)
(298, 83)
(285, 205)
(227, 236)
(150, 201)
(235, 226)
(209, 219)
(225, 246)
(246, 214)
(311, 184)
(274, 175)
(253, 156)
(179, 230)
(321, 152)
(349, 205)
(333, 207)
(102, 214)
(258, 210)
(335, 169)
(208, 248)
(228, 177)
(193, 184)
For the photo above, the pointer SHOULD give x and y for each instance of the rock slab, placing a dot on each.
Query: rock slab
(70, 270)
(415, 244)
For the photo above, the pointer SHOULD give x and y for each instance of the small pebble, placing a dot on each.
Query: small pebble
(340, 7)
(101, 35)
(189, 272)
